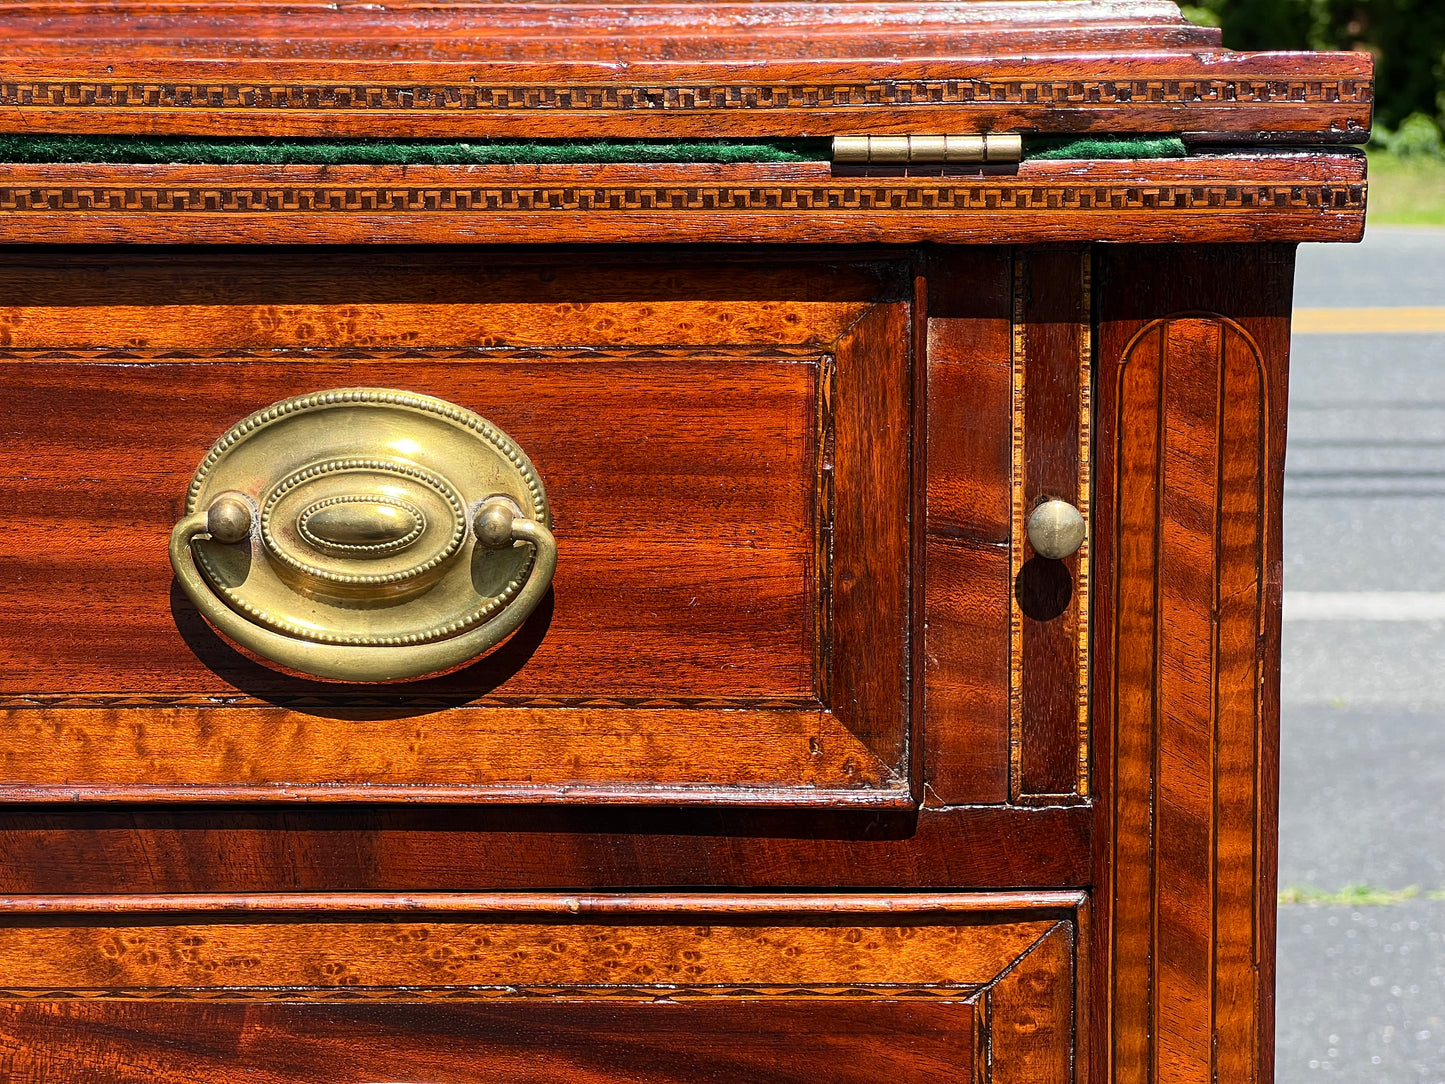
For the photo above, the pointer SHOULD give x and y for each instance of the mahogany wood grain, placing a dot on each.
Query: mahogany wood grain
(1054, 317)
(1296, 197)
(730, 489)
(1175, 846)
(1193, 363)
(970, 430)
(967, 526)
(613, 1040)
(760, 987)
(514, 848)
(870, 488)
(660, 70)
(788, 786)
(966, 673)
(648, 31)
(664, 525)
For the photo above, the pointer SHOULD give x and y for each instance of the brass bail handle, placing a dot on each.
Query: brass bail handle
(352, 561)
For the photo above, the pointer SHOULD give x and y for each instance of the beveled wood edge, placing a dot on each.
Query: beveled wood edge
(1279, 197)
(799, 759)
(916, 730)
(892, 794)
(557, 904)
(1028, 1026)
(351, 921)
(1325, 96)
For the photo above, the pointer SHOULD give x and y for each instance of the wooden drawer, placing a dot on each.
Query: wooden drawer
(732, 449)
(455, 989)
(726, 449)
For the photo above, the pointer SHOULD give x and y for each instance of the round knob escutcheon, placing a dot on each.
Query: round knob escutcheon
(365, 534)
(1056, 529)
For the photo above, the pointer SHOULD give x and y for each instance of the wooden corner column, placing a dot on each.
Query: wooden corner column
(1193, 349)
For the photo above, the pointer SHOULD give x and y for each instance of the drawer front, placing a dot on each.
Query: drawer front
(726, 451)
(682, 988)
(789, 498)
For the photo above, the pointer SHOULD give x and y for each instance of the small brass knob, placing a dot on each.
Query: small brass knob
(228, 519)
(493, 525)
(1056, 529)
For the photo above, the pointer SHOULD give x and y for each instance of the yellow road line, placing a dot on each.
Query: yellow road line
(1430, 319)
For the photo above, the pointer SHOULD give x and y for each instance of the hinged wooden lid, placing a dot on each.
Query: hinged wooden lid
(658, 70)
(120, 122)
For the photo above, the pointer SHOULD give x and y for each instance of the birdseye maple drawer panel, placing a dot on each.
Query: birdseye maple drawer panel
(725, 445)
(446, 989)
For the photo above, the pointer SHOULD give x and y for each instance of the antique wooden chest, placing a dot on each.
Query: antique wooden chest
(646, 542)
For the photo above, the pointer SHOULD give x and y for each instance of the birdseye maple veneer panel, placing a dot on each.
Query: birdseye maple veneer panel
(727, 452)
(908, 988)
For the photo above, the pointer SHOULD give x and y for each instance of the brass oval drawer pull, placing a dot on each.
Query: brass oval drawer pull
(365, 534)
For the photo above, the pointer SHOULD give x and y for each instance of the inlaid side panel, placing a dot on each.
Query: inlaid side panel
(1009, 356)
(1052, 351)
(598, 989)
(1188, 675)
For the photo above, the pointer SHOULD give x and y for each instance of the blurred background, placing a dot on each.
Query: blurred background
(1361, 981)
(1407, 40)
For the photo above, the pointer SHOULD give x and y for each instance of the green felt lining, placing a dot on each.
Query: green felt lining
(416, 152)
(399, 152)
(1048, 148)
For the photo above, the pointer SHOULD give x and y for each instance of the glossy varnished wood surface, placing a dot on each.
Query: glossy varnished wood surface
(359, 847)
(967, 529)
(1298, 196)
(616, 1040)
(1053, 303)
(727, 453)
(657, 70)
(1169, 831)
(684, 988)
(678, 527)
(593, 31)
(1192, 389)
(790, 485)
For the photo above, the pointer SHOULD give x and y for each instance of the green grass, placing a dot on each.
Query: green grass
(1406, 191)
(1357, 894)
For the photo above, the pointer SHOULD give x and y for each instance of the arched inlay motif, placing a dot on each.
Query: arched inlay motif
(1189, 533)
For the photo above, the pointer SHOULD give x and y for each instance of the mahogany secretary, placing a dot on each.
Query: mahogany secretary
(794, 759)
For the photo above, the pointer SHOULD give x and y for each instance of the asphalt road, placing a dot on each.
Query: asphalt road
(1361, 989)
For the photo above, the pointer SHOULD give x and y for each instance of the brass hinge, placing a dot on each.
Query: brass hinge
(947, 149)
